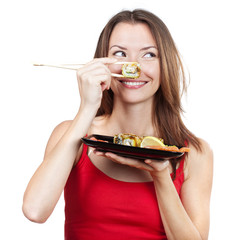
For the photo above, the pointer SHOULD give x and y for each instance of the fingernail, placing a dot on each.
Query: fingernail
(148, 161)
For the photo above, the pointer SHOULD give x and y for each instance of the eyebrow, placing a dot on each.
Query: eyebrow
(142, 49)
(146, 48)
(118, 47)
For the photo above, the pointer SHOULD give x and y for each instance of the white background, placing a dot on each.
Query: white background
(33, 100)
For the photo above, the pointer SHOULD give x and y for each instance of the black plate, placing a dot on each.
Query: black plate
(128, 151)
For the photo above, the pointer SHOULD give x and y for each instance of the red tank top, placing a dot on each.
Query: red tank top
(100, 207)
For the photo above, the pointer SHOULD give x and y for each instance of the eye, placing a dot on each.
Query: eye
(149, 55)
(119, 54)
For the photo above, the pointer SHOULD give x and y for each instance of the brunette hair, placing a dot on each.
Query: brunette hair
(167, 108)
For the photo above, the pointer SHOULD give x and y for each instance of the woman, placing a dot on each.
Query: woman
(108, 196)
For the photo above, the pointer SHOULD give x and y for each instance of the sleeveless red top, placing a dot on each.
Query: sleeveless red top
(100, 207)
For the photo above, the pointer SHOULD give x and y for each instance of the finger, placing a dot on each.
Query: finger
(103, 80)
(98, 153)
(95, 77)
(100, 62)
(129, 161)
(105, 60)
(92, 70)
(92, 73)
(157, 165)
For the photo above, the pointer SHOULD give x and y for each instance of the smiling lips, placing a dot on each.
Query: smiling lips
(133, 84)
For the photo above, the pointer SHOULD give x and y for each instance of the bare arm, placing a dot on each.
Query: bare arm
(187, 218)
(47, 184)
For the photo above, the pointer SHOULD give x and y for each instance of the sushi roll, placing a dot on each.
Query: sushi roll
(127, 139)
(131, 70)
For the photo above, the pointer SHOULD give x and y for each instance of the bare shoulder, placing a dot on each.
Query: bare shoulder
(60, 129)
(56, 134)
(197, 161)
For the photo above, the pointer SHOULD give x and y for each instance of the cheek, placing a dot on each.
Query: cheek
(152, 71)
(158, 76)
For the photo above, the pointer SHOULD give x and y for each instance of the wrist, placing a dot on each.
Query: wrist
(81, 123)
(161, 175)
(88, 110)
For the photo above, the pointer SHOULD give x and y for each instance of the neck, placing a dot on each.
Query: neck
(132, 118)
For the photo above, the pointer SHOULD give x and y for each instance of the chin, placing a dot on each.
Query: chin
(136, 99)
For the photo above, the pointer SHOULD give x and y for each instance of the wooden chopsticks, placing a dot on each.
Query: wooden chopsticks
(77, 66)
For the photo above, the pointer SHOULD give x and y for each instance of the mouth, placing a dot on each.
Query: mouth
(132, 84)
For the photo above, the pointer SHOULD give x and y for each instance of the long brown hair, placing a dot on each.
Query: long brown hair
(167, 108)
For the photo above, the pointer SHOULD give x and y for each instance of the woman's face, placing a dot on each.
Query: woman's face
(134, 43)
